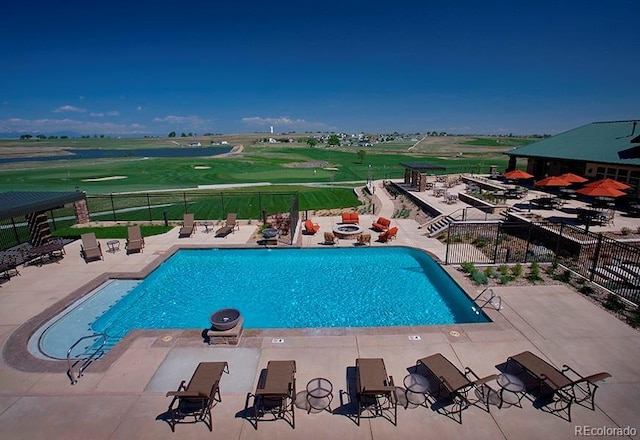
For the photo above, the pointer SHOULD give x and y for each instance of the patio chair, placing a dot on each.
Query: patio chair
(375, 391)
(276, 393)
(388, 235)
(230, 225)
(382, 224)
(364, 239)
(553, 388)
(135, 241)
(453, 387)
(90, 248)
(311, 228)
(330, 238)
(188, 226)
(199, 396)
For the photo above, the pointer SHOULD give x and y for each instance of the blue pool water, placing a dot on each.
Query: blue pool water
(273, 288)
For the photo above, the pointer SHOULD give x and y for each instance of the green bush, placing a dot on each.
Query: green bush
(489, 272)
(503, 269)
(614, 303)
(517, 270)
(534, 272)
(587, 290)
(504, 279)
(468, 267)
(634, 317)
(479, 277)
(625, 231)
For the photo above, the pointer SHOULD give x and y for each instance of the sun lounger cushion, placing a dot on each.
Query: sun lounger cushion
(350, 217)
(382, 224)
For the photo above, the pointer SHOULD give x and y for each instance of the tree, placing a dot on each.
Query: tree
(312, 142)
(334, 140)
(183, 135)
(361, 154)
(172, 134)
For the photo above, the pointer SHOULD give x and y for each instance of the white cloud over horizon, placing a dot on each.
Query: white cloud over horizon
(45, 125)
(69, 108)
(283, 121)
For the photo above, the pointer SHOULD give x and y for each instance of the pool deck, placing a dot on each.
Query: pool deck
(123, 396)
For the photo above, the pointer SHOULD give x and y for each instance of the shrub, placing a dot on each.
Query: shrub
(468, 267)
(517, 270)
(503, 269)
(564, 277)
(625, 231)
(479, 277)
(488, 271)
(587, 290)
(480, 242)
(504, 279)
(614, 303)
(634, 317)
(534, 272)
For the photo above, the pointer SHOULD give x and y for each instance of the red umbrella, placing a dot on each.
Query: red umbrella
(552, 181)
(572, 178)
(517, 174)
(609, 183)
(600, 191)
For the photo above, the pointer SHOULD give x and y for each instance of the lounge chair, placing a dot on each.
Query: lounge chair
(554, 388)
(450, 386)
(276, 392)
(310, 227)
(90, 248)
(230, 225)
(375, 391)
(364, 239)
(382, 224)
(388, 235)
(135, 242)
(199, 396)
(330, 238)
(188, 226)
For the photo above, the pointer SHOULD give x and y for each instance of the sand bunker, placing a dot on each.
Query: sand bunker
(330, 169)
(201, 167)
(102, 179)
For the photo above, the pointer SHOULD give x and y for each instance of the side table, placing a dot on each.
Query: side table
(113, 246)
(417, 386)
(319, 394)
(512, 390)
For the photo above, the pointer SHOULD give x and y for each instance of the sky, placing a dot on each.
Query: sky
(140, 68)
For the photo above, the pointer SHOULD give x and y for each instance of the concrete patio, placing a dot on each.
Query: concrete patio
(123, 395)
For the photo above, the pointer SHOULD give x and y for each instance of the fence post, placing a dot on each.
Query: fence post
(184, 197)
(446, 257)
(555, 253)
(113, 208)
(526, 251)
(596, 257)
(495, 249)
(149, 206)
(259, 201)
(222, 203)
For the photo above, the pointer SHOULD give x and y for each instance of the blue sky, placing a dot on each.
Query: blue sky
(148, 68)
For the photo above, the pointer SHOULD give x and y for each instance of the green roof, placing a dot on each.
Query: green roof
(599, 142)
(17, 203)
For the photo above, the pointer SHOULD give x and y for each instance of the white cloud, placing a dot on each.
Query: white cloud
(97, 115)
(68, 125)
(69, 108)
(113, 113)
(283, 122)
(139, 108)
(184, 121)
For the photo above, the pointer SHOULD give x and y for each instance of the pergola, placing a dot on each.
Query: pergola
(34, 206)
(415, 173)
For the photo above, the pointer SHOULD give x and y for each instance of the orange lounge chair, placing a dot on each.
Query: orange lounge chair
(350, 217)
(388, 235)
(310, 227)
(382, 224)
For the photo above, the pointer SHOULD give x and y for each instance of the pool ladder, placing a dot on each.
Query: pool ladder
(494, 300)
(85, 361)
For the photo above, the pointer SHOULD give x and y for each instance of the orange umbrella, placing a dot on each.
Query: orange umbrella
(552, 181)
(572, 178)
(600, 191)
(517, 174)
(609, 183)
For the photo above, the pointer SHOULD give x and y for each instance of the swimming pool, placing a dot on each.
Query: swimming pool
(273, 288)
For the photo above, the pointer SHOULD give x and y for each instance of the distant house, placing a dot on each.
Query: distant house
(597, 150)
(195, 144)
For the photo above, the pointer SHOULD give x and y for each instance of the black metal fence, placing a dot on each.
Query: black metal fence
(604, 261)
(15, 231)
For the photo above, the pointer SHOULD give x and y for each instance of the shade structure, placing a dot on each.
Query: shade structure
(552, 181)
(609, 183)
(600, 191)
(572, 178)
(517, 174)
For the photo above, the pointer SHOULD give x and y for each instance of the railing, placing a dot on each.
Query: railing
(494, 300)
(84, 361)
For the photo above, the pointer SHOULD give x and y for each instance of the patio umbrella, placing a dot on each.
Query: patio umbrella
(609, 183)
(600, 191)
(517, 174)
(572, 178)
(552, 181)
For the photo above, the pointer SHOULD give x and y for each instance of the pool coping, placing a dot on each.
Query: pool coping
(16, 354)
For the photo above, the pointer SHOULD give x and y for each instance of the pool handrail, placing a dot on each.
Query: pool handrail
(85, 361)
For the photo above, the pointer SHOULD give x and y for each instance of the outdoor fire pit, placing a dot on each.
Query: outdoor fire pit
(225, 319)
(347, 231)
